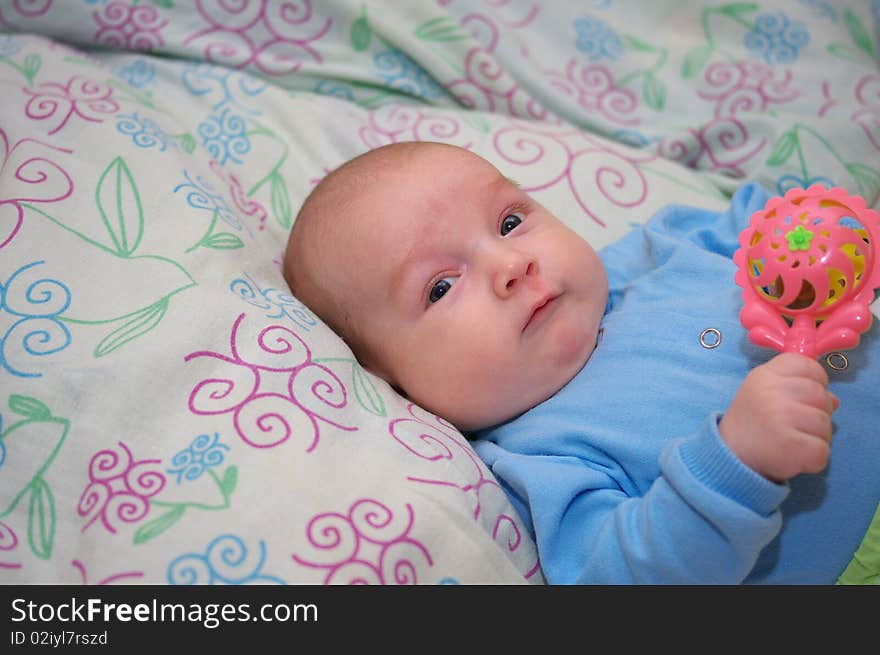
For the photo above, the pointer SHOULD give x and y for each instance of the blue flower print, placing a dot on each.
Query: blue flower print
(225, 137)
(34, 307)
(139, 73)
(227, 560)
(448, 580)
(276, 303)
(335, 89)
(2, 445)
(201, 195)
(9, 45)
(634, 138)
(221, 87)
(402, 73)
(787, 182)
(597, 39)
(776, 39)
(203, 453)
(144, 132)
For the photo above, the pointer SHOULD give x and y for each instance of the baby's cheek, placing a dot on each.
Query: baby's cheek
(570, 340)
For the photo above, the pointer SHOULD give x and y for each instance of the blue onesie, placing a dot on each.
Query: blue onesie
(622, 476)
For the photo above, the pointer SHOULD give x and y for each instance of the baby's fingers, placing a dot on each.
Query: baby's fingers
(799, 366)
(815, 423)
(811, 393)
(812, 454)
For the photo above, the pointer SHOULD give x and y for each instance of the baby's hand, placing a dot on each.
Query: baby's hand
(779, 423)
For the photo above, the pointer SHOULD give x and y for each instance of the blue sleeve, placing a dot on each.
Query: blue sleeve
(644, 249)
(704, 520)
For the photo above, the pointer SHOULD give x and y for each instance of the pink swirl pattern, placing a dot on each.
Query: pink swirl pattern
(273, 393)
(867, 92)
(134, 27)
(602, 179)
(272, 35)
(86, 98)
(487, 86)
(247, 206)
(8, 543)
(367, 545)
(595, 90)
(119, 488)
(26, 175)
(405, 122)
(79, 566)
(745, 86)
(722, 144)
(27, 9)
(432, 439)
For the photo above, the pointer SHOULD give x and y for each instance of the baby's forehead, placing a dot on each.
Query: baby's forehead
(410, 183)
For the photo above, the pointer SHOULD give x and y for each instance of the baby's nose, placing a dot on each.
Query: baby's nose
(512, 269)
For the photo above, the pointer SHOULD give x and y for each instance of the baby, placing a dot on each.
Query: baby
(636, 448)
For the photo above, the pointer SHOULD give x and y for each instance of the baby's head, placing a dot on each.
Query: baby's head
(447, 280)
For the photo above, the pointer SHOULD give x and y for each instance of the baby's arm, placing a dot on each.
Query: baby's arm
(779, 423)
(704, 520)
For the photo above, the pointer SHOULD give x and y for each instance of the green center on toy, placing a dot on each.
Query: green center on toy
(799, 238)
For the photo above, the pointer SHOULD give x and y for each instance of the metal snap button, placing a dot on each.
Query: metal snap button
(837, 361)
(710, 338)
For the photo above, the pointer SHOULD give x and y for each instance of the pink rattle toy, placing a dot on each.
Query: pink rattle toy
(808, 270)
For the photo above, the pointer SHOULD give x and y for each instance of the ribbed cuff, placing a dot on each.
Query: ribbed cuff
(713, 464)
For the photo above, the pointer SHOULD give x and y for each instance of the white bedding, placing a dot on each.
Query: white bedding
(169, 413)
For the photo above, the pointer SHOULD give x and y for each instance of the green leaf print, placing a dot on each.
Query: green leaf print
(783, 149)
(31, 408)
(737, 9)
(695, 60)
(229, 481)
(28, 67)
(858, 32)
(223, 241)
(138, 323)
(120, 206)
(637, 44)
(442, 29)
(188, 143)
(361, 32)
(158, 525)
(41, 519)
(365, 391)
(654, 91)
(281, 207)
(32, 467)
(31, 65)
(868, 181)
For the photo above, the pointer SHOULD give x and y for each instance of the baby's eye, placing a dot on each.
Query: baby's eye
(510, 222)
(440, 288)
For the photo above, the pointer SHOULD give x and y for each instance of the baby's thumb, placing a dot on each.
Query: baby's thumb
(835, 401)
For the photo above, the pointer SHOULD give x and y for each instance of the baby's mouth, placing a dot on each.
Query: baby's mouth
(540, 310)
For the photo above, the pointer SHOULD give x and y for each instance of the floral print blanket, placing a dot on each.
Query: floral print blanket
(169, 413)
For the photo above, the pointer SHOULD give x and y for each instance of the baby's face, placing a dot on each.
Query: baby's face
(473, 298)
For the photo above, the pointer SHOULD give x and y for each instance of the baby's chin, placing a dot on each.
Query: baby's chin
(497, 410)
